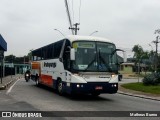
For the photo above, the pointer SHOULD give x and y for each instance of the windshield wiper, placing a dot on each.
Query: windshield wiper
(90, 63)
(106, 65)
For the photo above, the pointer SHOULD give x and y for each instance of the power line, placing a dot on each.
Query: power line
(68, 13)
(75, 28)
(79, 11)
(73, 10)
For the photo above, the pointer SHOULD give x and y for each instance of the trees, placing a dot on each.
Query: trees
(9, 58)
(141, 56)
(138, 52)
(14, 59)
(145, 57)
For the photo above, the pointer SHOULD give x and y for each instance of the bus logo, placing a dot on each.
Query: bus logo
(46, 64)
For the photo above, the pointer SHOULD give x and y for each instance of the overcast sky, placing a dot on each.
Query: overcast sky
(30, 24)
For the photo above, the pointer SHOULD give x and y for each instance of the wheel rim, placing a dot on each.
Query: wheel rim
(60, 87)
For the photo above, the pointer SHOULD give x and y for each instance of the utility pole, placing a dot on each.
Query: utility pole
(1, 60)
(75, 29)
(156, 43)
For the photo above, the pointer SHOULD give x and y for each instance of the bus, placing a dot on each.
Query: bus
(77, 65)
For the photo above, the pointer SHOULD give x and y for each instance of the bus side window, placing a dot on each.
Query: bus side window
(66, 60)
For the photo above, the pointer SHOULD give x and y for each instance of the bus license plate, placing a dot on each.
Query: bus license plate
(98, 87)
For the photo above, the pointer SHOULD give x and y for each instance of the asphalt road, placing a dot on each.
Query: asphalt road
(27, 97)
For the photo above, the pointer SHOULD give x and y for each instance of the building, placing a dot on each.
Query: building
(3, 47)
(127, 67)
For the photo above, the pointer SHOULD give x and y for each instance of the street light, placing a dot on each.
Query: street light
(59, 32)
(93, 33)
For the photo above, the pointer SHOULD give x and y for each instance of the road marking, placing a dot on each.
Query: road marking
(9, 90)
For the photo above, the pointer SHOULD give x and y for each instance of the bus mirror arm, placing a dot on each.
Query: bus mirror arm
(124, 55)
(117, 50)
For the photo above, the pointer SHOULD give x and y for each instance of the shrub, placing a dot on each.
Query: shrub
(152, 79)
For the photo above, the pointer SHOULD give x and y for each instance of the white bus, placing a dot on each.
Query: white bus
(77, 64)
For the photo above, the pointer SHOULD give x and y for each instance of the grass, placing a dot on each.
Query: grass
(143, 88)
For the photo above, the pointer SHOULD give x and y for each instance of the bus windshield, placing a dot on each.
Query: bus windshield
(95, 56)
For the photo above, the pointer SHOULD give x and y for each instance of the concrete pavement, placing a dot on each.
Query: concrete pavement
(6, 81)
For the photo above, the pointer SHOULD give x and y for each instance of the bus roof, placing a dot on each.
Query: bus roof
(73, 38)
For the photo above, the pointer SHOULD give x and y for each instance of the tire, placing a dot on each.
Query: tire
(60, 87)
(119, 79)
(27, 79)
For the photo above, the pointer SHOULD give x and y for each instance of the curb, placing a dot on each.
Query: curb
(7, 84)
(2, 88)
(139, 96)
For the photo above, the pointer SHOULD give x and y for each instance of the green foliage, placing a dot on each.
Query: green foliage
(143, 88)
(152, 79)
(14, 59)
(138, 51)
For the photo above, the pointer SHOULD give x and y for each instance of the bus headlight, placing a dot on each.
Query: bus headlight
(113, 75)
(78, 85)
(114, 85)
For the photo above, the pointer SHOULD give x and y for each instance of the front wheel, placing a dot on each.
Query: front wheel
(60, 87)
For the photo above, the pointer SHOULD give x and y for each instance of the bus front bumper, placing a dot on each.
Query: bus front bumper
(87, 88)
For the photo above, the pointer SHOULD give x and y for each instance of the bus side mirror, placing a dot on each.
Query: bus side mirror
(72, 54)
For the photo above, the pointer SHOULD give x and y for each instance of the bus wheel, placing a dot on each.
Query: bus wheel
(95, 94)
(60, 87)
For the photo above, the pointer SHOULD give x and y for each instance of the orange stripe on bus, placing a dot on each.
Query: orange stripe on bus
(46, 79)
